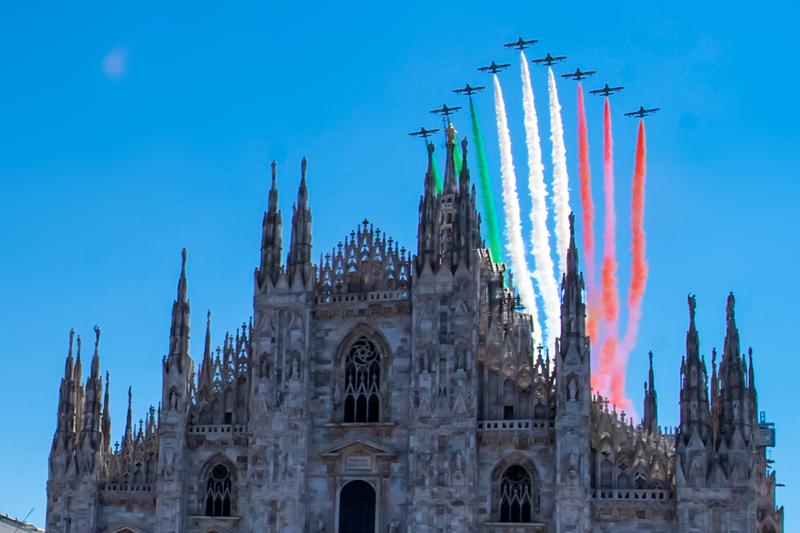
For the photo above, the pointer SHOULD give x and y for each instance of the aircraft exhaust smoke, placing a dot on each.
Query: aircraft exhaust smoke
(540, 236)
(638, 262)
(587, 216)
(516, 246)
(560, 176)
(437, 178)
(487, 196)
(609, 293)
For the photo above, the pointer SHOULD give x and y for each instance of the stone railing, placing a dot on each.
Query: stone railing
(654, 495)
(513, 425)
(126, 487)
(238, 429)
(375, 296)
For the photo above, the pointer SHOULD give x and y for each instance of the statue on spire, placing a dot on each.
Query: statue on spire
(729, 308)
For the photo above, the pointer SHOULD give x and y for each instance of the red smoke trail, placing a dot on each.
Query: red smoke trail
(638, 262)
(609, 293)
(587, 215)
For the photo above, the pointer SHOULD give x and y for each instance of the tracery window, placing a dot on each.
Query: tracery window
(518, 502)
(218, 491)
(362, 382)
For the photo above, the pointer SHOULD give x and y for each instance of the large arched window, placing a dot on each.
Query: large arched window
(517, 498)
(362, 382)
(357, 508)
(218, 491)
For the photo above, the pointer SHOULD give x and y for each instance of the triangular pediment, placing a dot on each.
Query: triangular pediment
(358, 446)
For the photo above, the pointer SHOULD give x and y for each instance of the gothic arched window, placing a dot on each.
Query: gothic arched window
(218, 491)
(517, 498)
(606, 474)
(362, 382)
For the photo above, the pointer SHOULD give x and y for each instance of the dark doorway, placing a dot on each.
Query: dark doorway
(357, 508)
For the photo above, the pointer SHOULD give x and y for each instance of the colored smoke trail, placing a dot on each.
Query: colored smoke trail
(457, 159)
(487, 196)
(437, 178)
(540, 236)
(516, 246)
(560, 176)
(609, 293)
(638, 263)
(587, 216)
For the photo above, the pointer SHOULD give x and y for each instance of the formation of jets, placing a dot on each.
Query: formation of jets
(423, 133)
(548, 60)
(494, 68)
(642, 112)
(469, 90)
(606, 90)
(579, 74)
(521, 44)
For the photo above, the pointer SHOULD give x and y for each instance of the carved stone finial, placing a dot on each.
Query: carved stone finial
(274, 167)
(303, 167)
(96, 335)
(692, 300)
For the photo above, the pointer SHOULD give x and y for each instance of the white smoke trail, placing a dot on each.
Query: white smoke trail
(516, 245)
(540, 235)
(560, 176)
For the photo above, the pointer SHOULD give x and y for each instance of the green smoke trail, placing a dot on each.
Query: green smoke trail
(457, 158)
(486, 187)
(437, 177)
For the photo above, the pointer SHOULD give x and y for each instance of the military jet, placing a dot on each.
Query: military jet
(469, 90)
(494, 68)
(445, 111)
(642, 112)
(521, 44)
(606, 90)
(424, 133)
(548, 60)
(579, 74)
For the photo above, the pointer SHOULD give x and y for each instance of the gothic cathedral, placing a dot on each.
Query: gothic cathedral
(383, 391)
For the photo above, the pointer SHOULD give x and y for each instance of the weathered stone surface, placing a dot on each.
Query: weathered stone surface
(409, 386)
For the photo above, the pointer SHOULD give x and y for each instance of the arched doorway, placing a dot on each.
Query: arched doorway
(357, 508)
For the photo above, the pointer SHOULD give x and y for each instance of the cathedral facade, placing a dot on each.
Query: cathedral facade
(380, 390)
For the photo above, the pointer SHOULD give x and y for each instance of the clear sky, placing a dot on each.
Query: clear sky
(130, 130)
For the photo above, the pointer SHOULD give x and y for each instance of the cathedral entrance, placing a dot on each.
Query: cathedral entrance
(357, 508)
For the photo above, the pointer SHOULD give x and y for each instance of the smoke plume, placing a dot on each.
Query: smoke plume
(487, 196)
(540, 236)
(516, 246)
(587, 216)
(638, 262)
(560, 176)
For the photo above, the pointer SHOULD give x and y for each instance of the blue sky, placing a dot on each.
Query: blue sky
(130, 131)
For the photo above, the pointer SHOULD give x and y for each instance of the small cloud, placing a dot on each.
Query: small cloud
(115, 62)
